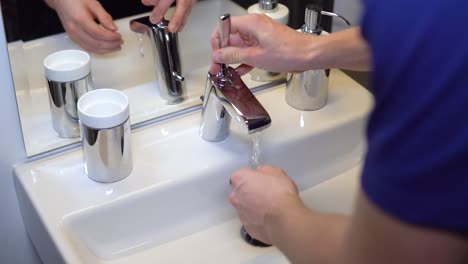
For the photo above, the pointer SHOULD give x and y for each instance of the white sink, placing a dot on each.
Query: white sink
(174, 207)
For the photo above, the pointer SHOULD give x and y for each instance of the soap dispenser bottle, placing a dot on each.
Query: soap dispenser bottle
(308, 90)
(280, 13)
(271, 8)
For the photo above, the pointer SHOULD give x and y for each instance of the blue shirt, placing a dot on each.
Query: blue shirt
(416, 168)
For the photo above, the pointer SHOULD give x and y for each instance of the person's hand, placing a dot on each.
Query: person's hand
(178, 19)
(261, 196)
(88, 25)
(258, 41)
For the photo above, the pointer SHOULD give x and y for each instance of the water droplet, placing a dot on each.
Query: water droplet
(141, 45)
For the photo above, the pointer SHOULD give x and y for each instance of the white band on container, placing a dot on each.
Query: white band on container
(67, 65)
(103, 108)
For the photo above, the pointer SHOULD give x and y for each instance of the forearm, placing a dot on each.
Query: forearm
(305, 237)
(344, 50)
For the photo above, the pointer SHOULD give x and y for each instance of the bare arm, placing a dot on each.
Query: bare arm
(344, 49)
(369, 236)
(259, 41)
(278, 216)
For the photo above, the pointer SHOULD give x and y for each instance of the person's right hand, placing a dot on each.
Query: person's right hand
(88, 25)
(258, 41)
(179, 17)
(262, 197)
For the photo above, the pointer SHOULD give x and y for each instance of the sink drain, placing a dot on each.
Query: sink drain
(252, 241)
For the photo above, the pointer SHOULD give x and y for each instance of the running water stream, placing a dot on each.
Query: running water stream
(256, 152)
(141, 45)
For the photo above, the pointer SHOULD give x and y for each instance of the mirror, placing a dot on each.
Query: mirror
(34, 31)
(130, 70)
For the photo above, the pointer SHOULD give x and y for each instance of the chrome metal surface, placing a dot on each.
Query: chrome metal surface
(268, 5)
(312, 20)
(336, 15)
(224, 28)
(308, 90)
(228, 97)
(166, 58)
(63, 97)
(107, 153)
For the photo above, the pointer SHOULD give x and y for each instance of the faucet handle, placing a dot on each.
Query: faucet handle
(224, 28)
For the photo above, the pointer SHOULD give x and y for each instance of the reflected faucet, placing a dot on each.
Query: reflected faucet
(226, 96)
(165, 47)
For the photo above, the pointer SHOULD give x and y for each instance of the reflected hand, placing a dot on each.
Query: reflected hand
(260, 196)
(79, 18)
(178, 19)
(258, 41)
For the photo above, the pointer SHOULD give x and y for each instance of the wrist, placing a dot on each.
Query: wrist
(282, 216)
(314, 53)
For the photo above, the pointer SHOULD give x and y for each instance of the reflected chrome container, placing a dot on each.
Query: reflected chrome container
(63, 97)
(68, 75)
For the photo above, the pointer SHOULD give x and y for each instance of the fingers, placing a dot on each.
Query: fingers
(237, 176)
(237, 55)
(180, 15)
(178, 19)
(97, 38)
(93, 45)
(149, 2)
(104, 31)
(103, 17)
(160, 8)
(215, 67)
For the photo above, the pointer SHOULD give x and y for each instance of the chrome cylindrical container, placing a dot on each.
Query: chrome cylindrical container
(105, 135)
(63, 97)
(68, 75)
(107, 153)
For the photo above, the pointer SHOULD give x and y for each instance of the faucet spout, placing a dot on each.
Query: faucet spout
(165, 46)
(226, 97)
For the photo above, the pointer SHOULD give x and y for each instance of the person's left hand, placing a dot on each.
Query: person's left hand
(88, 24)
(262, 197)
(178, 19)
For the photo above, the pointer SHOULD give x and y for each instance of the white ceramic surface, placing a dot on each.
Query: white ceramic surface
(130, 70)
(174, 207)
(103, 108)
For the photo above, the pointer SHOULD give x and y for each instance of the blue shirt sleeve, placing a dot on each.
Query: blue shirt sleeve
(416, 167)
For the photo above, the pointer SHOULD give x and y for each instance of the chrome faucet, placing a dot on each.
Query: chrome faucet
(226, 96)
(165, 47)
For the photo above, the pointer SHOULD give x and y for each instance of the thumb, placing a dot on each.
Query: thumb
(233, 55)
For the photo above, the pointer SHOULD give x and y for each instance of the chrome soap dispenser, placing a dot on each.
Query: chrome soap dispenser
(308, 90)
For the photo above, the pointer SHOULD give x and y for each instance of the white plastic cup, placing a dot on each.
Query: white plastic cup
(105, 135)
(68, 74)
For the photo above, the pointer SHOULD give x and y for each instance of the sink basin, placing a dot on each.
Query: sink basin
(174, 207)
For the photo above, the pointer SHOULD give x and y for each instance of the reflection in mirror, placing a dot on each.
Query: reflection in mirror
(131, 70)
(34, 31)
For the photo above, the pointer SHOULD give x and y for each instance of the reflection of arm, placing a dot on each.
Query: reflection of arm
(345, 50)
(370, 236)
